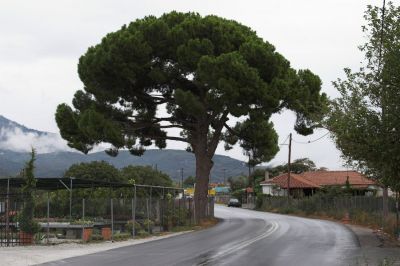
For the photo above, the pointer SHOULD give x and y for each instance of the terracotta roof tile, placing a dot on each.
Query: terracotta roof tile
(329, 178)
(296, 181)
(321, 178)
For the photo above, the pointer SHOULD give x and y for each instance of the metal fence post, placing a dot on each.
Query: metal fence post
(397, 215)
(134, 211)
(148, 218)
(179, 211)
(83, 218)
(190, 210)
(112, 220)
(7, 212)
(48, 217)
(184, 205)
(70, 200)
(162, 211)
(150, 204)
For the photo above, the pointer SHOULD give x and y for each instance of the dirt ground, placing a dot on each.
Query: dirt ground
(377, 247)
(31, 255)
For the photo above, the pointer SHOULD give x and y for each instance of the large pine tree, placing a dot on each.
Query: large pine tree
(189, 72)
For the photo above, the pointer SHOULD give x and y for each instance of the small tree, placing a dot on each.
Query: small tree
(26, 222)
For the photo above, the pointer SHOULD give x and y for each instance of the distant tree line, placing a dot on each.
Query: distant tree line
(103, 171)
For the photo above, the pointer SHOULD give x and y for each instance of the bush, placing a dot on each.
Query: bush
(148, 223)
(260, 200)
(143, 233)
(82, 222)
(121, 236)
(287, 210)
(309, 205)
(129, 226)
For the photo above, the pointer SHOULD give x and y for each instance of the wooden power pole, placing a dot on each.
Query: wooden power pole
(289, 157)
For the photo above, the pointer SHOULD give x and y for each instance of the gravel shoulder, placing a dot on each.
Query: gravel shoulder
(376, 247)
(31, 255)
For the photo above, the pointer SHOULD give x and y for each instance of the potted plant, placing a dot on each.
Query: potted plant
(27, 226)
(87, 228)
(106, 233)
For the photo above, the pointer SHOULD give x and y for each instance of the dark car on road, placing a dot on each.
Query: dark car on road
(234, 203)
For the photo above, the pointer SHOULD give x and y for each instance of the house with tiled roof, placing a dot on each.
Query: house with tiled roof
(307, 183)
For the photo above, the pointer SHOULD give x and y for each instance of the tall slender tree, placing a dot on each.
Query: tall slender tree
(184, 71)
(365, 119)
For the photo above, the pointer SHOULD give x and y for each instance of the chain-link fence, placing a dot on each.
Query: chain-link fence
(63, 217)
(364, 210)
(10, 205)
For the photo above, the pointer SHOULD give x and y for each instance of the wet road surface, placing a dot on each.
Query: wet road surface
(243, 237)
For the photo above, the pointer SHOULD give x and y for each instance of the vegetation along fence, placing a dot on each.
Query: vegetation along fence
(101, 215)
(364, 210)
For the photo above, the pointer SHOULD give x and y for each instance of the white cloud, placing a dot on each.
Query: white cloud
(17, 140)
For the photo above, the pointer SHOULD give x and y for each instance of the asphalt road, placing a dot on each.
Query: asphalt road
(244, 237)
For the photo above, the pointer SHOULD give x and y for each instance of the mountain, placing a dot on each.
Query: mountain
(7, 124)
(19, 138)
(53, 159)
(168, 161)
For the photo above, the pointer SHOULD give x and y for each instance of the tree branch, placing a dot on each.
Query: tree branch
(234, 132)
(171, 126)
(213, 144)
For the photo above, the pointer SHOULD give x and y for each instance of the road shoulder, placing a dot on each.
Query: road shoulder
(376, 247)
(31, 255)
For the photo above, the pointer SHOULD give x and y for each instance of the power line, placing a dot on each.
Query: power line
(283, 143)
(311, 141)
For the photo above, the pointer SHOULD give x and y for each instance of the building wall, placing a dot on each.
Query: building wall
(270, 190)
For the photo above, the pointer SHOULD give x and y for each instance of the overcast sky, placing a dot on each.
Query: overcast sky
(41, 42)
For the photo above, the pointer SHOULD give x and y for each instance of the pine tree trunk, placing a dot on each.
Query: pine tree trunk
(203, 168)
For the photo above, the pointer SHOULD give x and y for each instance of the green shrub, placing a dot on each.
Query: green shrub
(309, 206)
(129, 226)
(148, 223)
(143, 233)
(287, 210)
(260, 201)
(82, 222)
(121, 236)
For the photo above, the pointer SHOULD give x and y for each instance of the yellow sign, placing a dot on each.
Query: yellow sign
(190, 192)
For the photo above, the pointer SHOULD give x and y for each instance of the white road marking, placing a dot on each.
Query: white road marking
(239, 246)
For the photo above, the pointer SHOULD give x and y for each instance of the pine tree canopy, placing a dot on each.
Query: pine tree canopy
(185, 71)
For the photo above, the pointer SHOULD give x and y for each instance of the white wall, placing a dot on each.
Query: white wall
(268, 189)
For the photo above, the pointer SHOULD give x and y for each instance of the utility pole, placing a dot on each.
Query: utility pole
(182, 177)
(289, 157)
(224, 177)
(249, 166)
